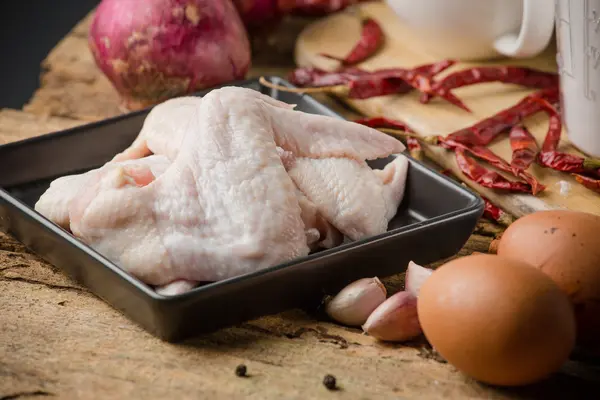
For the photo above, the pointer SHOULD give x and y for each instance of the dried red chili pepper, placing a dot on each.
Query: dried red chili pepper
(414, 148)
(359, 87)
(565, 162)
(394, 127)
(412, 142)
(493, 159)
(484, 177)
(424, 84)
(371, 39)
(473, 139)
(372, 84)
(315, 77)
(588, 182)
(435, 68)
(400, 129)
(383, 84)
(377, 83)
(382, 122)
(398, 80)
(358, 84)
(559, 161)
(524, 148)
(522, 76)
(498, 162)
(554, 126)
(495, 213)
(484, 132)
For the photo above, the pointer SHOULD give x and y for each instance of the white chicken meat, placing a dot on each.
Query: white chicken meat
(243, 182)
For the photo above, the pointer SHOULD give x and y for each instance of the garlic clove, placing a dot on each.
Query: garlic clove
(354, 303)
(416, 275)
(395, 320)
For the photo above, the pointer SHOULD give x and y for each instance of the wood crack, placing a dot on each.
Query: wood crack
(26, 394)
(322, 335)
(320, 332)
(14, 266)
(9, 247)
(12, 254)
(266, 362)
(258, 329)
(48, 285)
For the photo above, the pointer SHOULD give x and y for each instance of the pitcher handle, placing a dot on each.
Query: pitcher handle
(536, 31)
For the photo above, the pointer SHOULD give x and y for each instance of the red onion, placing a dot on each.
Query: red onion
(322, 7)
(153, 50)
(416, 275)
(255, 13)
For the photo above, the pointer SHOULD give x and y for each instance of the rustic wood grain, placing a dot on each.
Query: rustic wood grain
(403, 48)
(58, 340)
(17, 125)
(61, 340)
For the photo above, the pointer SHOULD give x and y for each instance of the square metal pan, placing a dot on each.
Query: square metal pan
(433, 222)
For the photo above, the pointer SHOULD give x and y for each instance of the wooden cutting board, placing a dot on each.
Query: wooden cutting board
(337, 34)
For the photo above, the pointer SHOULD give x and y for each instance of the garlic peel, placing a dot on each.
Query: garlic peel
(354, 303)
(416, 275)
(395, 320)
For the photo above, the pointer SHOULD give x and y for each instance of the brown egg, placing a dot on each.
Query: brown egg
(566, 246)
(500, 321)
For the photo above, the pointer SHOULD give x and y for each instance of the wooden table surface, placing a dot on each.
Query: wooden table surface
(57, 339)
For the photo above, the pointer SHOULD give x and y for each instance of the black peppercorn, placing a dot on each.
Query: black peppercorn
(241, 370)
(329, 382)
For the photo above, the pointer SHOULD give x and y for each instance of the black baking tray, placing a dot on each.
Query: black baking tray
(433, 222)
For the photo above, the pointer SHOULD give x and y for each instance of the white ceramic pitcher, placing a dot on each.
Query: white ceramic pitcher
(578, 40)
(479, 29)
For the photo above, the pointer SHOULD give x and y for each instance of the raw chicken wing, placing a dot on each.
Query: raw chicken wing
(229, 184)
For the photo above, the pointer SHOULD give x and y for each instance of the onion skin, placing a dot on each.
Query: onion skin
(154, 50)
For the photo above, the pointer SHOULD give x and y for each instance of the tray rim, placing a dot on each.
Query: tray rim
(475, 205)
